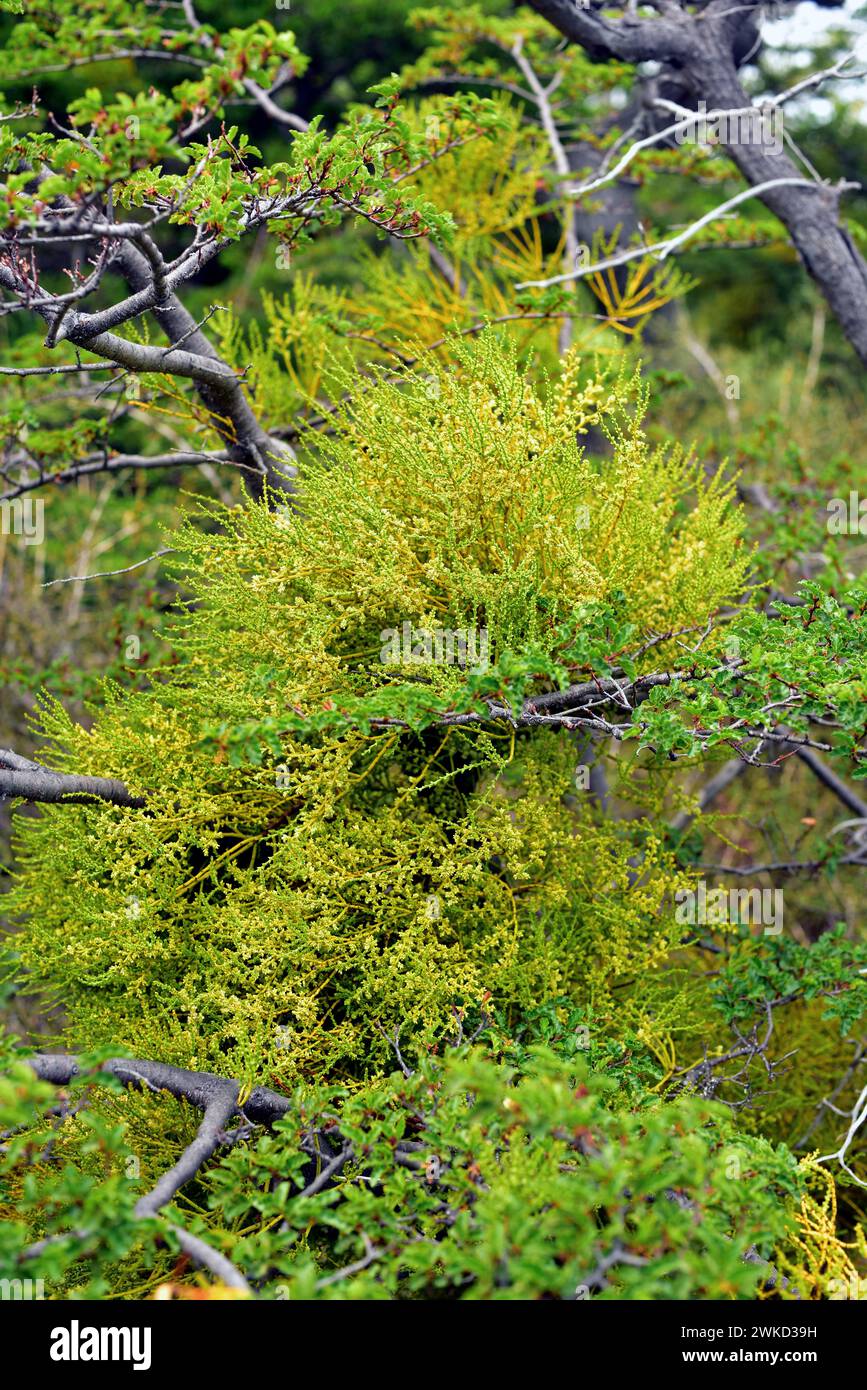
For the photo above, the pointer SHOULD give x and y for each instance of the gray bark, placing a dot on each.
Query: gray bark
(704, 50)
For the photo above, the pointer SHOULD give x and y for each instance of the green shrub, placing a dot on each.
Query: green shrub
(516, 1170)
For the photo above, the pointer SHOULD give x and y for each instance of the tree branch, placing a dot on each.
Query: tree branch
(21, 778)
(113, 463)
(218, 1111)
(629, 39)
(199, 1088)
(706, 49)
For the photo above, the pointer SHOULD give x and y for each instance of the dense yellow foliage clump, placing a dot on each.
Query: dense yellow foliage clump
(281, 914)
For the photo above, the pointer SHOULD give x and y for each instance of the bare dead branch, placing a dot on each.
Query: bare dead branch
(107, 574)
(106, 462)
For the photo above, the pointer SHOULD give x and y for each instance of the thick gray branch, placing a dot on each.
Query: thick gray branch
(706, 49)
(219, 1110)
(19, 777)
(833, 782)
(202, 1089)
(629, 39)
